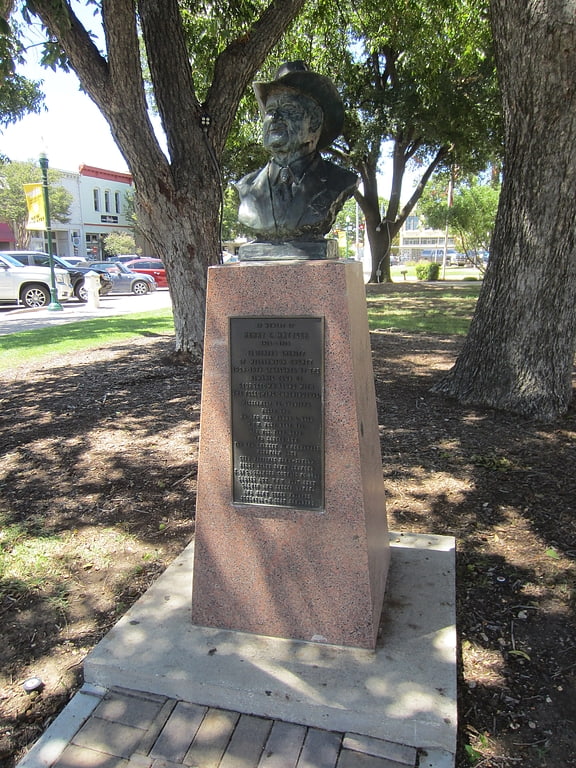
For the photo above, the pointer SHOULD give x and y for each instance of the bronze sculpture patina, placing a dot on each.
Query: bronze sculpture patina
(291, 203)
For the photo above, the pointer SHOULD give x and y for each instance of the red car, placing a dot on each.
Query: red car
(152, 267)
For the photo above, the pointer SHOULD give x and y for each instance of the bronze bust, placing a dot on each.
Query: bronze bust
(296, 196)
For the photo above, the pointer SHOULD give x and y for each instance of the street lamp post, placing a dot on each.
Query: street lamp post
(54, 305)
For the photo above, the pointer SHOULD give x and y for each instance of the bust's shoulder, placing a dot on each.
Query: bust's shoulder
(251, 179)
(336, 173)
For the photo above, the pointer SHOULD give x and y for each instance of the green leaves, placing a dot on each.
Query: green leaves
(473, 755)
(18, 95)
(498, 463)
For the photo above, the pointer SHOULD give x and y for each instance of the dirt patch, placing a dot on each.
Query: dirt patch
(97, 492)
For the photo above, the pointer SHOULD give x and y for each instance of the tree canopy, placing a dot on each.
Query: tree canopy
(420, 88)
(423, 84)
(468, 208)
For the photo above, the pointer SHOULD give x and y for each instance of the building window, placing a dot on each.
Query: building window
(93, 246)
(411, 223)
(96, 199)
(117, 202)
(107, 201)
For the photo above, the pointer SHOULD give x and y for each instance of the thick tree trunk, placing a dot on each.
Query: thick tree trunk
(519, 353)
(380, 242)
(183, 229)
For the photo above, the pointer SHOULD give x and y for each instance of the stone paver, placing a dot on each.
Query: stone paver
(212, 738)
(284, 745)
(179, 732)
(321, 749)
(129, 729)
(380, 748)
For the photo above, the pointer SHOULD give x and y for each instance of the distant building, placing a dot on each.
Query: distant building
(100, 205)
(417, 243)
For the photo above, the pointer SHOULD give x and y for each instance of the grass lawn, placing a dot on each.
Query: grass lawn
(435, 307)
(430, 307)
(17, 348)
(452, 273)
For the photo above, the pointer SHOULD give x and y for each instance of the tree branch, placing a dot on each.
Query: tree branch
(82, 53)
(406, 210)
(109, 83)
(171, 75)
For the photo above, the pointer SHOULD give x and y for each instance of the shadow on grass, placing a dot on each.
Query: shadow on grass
(106, 447)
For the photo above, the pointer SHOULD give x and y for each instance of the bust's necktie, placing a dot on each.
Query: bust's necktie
(282, 193)
(285, 176)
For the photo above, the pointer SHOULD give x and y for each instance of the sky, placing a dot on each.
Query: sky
(72, 132)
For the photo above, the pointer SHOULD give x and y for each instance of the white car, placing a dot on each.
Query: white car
(30, 286)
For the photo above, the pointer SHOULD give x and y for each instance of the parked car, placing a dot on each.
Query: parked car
(77, 274)
(30, 286)
(124, 257)
(75, 260)
(153, 267)
(124, 280)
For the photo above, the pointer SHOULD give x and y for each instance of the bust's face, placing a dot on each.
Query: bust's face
(289, 125)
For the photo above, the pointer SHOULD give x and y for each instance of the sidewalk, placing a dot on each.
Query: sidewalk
(124, 728)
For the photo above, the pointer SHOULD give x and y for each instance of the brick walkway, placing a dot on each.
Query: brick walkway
(129, 729)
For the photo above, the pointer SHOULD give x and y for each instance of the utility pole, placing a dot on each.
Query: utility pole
(54, 305)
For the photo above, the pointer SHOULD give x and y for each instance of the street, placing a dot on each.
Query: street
(14, 319)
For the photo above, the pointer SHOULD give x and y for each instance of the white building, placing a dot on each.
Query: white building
(100, 205)
(417, 243)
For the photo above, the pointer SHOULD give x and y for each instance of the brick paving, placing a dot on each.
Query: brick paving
(130, 729)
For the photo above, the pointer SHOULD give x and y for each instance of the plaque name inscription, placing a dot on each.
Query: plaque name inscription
(277, 397)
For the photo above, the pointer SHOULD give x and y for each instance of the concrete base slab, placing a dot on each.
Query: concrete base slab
(404, 691)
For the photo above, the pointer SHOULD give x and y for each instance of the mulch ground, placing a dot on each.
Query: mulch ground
(98, 459)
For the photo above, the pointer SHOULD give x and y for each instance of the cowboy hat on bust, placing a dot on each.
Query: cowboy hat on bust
(295, 76)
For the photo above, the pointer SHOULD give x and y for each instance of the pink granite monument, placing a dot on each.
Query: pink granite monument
(291, 534)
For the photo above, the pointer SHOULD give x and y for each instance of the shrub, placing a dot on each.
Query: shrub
(427, 270)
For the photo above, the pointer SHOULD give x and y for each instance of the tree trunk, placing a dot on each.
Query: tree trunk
(183, 230)
(380, 240)
(382, 231)
(519, 352)
(379, 232)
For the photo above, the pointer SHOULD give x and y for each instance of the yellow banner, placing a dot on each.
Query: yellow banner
(35, 203)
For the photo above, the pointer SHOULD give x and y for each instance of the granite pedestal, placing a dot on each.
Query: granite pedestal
(308, 565)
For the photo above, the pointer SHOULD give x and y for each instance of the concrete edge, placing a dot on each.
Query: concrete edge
(48, 748)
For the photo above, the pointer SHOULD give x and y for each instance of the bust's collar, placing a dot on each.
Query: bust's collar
(298, 167)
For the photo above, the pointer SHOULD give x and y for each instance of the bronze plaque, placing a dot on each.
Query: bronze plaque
(277, 394)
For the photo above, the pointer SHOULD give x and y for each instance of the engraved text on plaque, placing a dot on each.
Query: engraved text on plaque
(277, 388)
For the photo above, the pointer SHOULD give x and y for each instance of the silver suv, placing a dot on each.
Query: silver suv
(30, 286)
